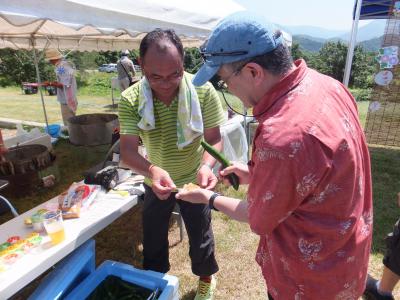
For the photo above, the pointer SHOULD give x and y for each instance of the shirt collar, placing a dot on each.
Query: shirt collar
(286, 84)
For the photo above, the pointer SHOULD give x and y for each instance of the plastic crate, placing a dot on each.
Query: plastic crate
(167, 284)
(31, 138)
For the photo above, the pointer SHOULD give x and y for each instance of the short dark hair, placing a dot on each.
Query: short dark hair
(158, 35)
(278, 62)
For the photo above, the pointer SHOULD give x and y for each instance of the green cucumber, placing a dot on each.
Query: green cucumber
(233, 178)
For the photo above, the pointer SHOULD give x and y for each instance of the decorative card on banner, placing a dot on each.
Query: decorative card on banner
(374, 106)
(383, 77)
(387, 57)
(396, 9)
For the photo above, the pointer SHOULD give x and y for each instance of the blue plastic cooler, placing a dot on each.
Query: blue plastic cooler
(167, 284)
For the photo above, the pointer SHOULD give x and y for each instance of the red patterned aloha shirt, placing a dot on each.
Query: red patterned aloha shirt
(310, 197)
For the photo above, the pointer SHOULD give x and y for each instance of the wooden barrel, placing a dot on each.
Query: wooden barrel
(22, 165)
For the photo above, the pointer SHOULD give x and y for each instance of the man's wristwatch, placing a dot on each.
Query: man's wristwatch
(211, 201)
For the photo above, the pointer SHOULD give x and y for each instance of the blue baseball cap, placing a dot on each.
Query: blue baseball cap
(238, 36)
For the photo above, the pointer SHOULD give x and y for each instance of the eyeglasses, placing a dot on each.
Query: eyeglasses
(223, 84)
(175, 77)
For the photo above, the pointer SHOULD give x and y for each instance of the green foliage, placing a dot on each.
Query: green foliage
(361, 94)
(308, 43)
(363, 68)
(96, 84)
(192, 60)
(297, 52)
(17, 66)
(82, 78)
(332, 58)
(331, 61)
(84, 60)
(106, 57)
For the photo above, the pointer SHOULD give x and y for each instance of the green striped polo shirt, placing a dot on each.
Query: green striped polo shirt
(161, 142)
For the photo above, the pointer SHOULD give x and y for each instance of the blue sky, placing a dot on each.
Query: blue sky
(333, 14)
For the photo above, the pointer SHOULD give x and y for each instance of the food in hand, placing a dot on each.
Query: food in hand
(190, 187)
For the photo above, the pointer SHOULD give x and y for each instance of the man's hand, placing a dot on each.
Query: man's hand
(240, 169)
(162, 184)
(206, 179)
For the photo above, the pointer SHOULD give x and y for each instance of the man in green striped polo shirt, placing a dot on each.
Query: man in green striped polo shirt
(171, 117)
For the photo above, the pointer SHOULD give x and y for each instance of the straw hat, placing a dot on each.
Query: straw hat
(53, 54)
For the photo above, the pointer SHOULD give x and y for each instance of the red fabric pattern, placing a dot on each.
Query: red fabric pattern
(310, 197)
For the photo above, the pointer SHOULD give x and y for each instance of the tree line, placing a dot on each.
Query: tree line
(16, 66)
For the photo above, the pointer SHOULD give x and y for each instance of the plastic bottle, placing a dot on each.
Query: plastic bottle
(20, 129)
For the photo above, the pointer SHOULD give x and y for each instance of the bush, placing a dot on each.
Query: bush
(361, 94)
(97, 84)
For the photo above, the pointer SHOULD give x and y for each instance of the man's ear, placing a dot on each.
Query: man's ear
(256, 71)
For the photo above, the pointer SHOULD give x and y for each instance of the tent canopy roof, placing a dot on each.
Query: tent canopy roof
(108, 24)
(104, 25)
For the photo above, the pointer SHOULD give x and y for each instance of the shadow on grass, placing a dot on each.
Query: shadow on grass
(111, 108)
(188, 296)
(385, 165)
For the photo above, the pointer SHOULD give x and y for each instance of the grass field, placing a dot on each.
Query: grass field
(239, 276)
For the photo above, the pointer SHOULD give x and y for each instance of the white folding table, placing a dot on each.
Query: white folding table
(104, 210)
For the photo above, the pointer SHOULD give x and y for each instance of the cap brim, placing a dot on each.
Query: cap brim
(204, 74)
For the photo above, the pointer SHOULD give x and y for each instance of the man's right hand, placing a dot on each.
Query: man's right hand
(162, 184)
(240, 169)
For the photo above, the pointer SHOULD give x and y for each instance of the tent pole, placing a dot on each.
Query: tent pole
(35, 58)
(350, 50)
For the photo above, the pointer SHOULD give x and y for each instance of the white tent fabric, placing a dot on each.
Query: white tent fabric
(105, 25)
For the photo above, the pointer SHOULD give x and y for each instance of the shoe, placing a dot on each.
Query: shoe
(371, 291)
(205, 290)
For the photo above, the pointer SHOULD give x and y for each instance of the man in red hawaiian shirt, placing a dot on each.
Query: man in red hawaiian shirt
(309, 195)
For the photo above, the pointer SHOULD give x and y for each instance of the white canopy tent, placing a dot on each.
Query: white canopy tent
(103, 25)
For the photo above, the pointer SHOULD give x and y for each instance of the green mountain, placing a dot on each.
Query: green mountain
(313, 44)
(308, 43)
(372, 45)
